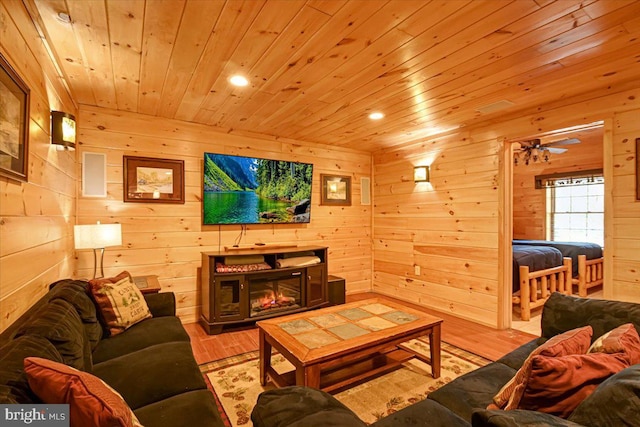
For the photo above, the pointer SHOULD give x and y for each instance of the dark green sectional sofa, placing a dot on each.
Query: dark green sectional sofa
(151, 364)
(463, 402)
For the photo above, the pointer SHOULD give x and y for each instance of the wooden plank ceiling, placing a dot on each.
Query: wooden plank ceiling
(317, 68)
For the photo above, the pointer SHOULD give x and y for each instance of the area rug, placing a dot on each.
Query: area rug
(236, 383)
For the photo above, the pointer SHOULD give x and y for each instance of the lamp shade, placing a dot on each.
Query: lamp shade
(63, 130)
(96, 236)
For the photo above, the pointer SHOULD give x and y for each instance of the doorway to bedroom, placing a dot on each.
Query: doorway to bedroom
(558, 196)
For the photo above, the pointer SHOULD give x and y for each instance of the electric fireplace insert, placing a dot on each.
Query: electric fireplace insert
(271, 293)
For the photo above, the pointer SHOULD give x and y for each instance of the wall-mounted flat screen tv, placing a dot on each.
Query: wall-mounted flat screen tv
(251, 190)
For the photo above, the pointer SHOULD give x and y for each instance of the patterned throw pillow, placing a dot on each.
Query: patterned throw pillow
(91, 401)
(575, 341)
(623, 339)
(120, 302)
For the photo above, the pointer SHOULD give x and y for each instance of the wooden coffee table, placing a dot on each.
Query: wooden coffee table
(334, 347)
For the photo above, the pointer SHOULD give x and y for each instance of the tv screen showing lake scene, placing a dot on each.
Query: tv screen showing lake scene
(250, 190)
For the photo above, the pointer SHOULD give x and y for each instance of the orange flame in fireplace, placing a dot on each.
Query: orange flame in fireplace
(271, 300)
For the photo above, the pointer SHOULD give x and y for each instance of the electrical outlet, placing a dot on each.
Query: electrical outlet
(416, 269)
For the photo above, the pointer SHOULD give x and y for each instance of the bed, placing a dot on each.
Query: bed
(538, 271)
(587, 261)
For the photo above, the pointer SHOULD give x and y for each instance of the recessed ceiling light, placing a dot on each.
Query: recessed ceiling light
(239, 80)
(376, 115)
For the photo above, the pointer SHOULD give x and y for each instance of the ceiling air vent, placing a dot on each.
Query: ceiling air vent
(496, 106)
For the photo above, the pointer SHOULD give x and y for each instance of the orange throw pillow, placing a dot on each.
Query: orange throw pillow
(623, 339)
(120, 302)
(575, 341)
(557, 385)
(91, 401)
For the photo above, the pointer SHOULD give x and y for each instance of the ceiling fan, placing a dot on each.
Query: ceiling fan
(534, 151)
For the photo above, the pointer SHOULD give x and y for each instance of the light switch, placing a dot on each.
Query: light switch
(416, 268)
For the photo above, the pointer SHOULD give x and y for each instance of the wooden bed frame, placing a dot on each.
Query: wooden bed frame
(537, 286)
(590, 274)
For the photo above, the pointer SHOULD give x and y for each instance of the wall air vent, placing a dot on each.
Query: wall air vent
(496, 106)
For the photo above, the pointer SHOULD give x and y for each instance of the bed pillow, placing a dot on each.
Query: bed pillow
(575, 341)
(557, 385)
(120, 302)
(91, 401)
(623, 339)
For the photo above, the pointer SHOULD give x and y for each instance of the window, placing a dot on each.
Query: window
(575, 209)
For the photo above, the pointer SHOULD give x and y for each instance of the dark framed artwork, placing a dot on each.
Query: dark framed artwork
(637, 168)
(335, 190)
(151, 180)
(14, 123)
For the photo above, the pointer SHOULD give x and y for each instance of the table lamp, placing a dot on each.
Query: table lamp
(97, 237)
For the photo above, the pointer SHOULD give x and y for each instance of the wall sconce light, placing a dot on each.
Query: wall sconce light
(97, 237)
(63, 130)
(421, 174)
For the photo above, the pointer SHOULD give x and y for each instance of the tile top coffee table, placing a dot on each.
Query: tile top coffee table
(334, 347)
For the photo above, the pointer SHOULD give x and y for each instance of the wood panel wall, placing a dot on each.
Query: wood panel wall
(452, 230)
(447, 245)
(36, 217)
(436, 243)
(529, 204)
(622, 261)
(166, 239)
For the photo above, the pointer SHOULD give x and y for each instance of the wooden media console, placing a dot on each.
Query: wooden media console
(246, 285)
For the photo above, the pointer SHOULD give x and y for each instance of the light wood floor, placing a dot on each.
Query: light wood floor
(533, 326)
(478, 339)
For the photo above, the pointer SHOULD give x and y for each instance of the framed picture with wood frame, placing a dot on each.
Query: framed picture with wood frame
(336, 190)
(150, 180)
(637, 168)
(14, 123)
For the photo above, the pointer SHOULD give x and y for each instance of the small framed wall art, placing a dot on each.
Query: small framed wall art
(14, 123)
(336, 190)
(150, 180)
